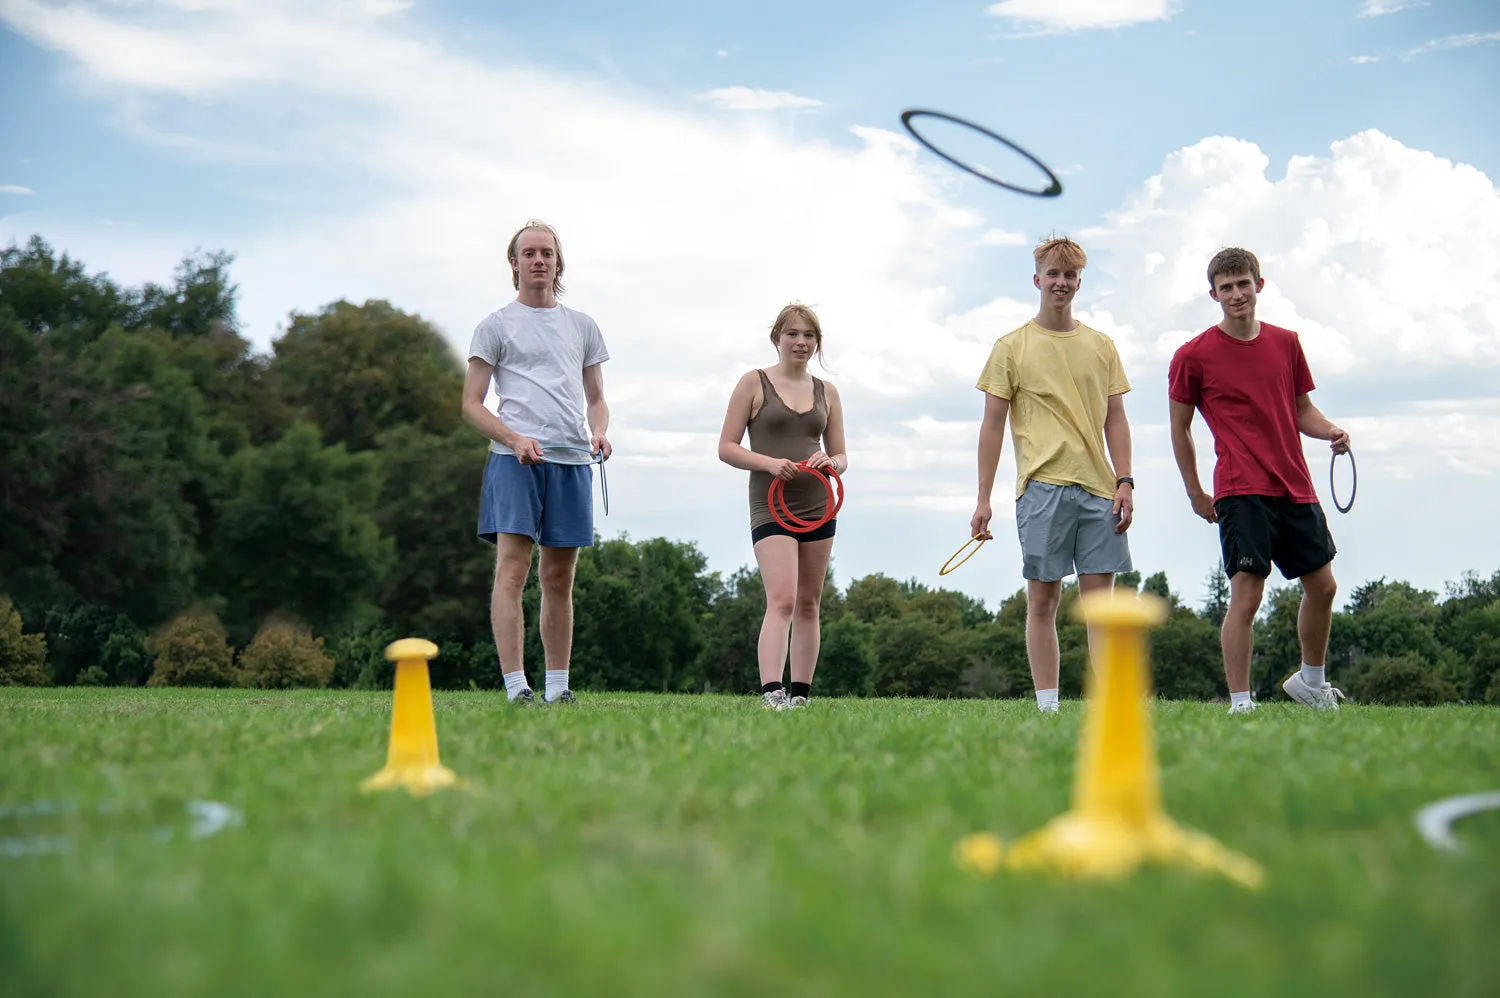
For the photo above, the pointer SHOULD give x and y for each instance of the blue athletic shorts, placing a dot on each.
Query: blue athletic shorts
(553, 504)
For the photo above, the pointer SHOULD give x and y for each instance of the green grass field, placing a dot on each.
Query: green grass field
(658, 845)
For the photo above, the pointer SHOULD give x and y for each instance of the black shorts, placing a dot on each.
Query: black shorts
(1255, 531)
(774, 529)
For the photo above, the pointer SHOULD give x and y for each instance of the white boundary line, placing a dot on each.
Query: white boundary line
(1435, 820)
(209, 817)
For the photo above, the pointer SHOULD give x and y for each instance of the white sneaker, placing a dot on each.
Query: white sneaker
(1047, 708)
(775, 700)
(796, 703)
(1248, 707)
(1326, 697)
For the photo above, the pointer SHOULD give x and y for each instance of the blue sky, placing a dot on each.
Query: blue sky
(707, 164)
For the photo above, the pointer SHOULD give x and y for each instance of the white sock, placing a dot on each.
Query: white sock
(1312, 676)
(1235, 699)
(557, 681)
(1046, 698)
(515, 682)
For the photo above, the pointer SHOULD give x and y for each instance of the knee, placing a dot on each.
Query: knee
(1244, 602)
(780, 606)
(556, 581)
(510, 577)
(1042, 604)
(807, 607)
(1322, 590)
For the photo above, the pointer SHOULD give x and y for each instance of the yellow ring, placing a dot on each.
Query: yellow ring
(948, 565)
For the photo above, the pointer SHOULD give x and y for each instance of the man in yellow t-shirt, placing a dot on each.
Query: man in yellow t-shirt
(1062, 386)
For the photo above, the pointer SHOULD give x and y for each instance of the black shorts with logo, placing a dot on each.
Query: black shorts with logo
(1255, 531)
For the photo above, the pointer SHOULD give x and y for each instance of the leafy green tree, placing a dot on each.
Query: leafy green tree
(1216, 600)
(727, 663)
(23, 657)
(644, 604)
(440, 578)
(1402, 680)
(89, 635)
(912, 660)
(1128, 580)
(846, 661)
(1157, 586)
(993, 661)
(874, 598)
(54, 298)
(1278, 649)
(1186, 661)
(295, 533)
(359, 370)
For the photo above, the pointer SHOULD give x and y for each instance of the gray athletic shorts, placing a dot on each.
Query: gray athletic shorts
(1066, 529)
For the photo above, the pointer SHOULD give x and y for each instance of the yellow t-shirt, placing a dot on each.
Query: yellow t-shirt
(1059, 386)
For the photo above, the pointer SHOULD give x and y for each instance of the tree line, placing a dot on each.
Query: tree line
(177, 508)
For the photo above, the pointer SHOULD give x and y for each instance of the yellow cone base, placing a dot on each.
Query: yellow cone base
(420, 780)
(1117, 822)
(1076, 845)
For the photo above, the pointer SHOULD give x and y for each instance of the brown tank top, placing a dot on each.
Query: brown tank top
(778, 430)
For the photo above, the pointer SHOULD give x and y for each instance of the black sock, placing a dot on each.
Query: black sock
(770, 687)
(801, 689)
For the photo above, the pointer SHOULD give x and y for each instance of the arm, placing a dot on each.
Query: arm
(731, 452)
(833, 435)
(991, 442)
(1117, 439)
(476, 385)
(597, 411)
(1187, 461)
(1312, 422)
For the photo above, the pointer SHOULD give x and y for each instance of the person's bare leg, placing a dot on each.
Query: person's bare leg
(812, 571)
(1041, 632)
(512, 564)
(1237, 635)
(1091, 584)
(777, 558)
(1315, 615)
(555, 573)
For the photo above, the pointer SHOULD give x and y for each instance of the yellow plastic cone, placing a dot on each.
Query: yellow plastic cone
(412, 759)
(1117, 822)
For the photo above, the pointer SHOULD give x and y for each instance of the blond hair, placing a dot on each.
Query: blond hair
(1070, 255)
(510, 254)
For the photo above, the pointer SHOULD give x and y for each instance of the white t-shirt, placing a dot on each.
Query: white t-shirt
(539, 355)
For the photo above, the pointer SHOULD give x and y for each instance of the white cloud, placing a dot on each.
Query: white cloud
(750, 99)
(1380, 8)
(1002, 237)
(15, 189)
(1362, 60)
(1449, 42)
(1376, 253)
(1047, 16)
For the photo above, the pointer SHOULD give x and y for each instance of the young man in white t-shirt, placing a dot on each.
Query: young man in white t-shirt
(544, 362)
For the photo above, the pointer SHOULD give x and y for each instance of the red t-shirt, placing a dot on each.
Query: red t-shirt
(1247, 391)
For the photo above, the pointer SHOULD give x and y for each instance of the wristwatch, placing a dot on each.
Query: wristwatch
(1127, 480)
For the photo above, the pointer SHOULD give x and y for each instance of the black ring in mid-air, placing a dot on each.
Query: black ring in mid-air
(1051, 191)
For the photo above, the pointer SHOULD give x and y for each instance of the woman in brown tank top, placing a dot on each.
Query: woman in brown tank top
(792, 416)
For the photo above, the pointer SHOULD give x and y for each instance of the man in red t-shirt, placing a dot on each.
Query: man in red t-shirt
(1251, 381)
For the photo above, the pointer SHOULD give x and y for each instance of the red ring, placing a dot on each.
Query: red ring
(795, 523)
